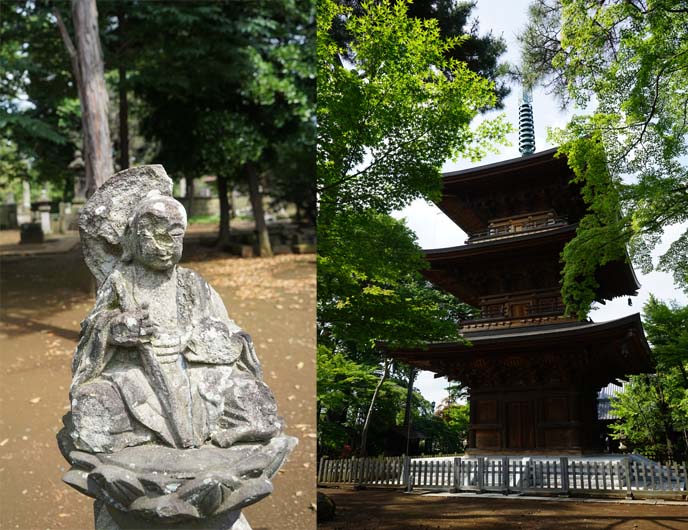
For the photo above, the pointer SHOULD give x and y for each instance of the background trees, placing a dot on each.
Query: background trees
(394, 103)
(627, 63)
(86, 56)
(653, 409)
(224, 88)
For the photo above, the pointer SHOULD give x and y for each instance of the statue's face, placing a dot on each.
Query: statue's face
(159, 236)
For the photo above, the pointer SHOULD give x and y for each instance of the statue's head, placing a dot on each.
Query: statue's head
(155, 233)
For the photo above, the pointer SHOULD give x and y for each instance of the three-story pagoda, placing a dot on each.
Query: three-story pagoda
(533, 373)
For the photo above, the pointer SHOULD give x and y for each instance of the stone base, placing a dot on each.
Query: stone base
(167, 485)
(107, 518)
(30, 233)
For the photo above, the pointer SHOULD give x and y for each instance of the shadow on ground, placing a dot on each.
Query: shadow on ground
(387, 510)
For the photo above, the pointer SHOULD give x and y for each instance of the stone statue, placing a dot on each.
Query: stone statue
(170, 422)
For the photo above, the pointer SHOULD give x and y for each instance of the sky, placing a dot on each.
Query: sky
(436, 230)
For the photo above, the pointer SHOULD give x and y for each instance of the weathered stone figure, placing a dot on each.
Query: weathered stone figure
(170, 419)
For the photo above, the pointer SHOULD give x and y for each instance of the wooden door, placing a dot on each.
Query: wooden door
(519, 425)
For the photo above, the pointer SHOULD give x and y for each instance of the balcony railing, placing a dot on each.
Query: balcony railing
(509, 311)
(517, 228)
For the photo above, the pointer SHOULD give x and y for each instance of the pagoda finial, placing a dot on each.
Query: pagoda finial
(526, 128)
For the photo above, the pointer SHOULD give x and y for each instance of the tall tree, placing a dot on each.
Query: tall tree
(237, 96)
(480, 51)
(39, 111)
(389, 120)
(652, 410)
(88, 70)
(393, 105)
(627, 61)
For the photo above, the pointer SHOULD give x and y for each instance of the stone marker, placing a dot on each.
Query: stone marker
(24, 207)
(171, 424)
(44, 209)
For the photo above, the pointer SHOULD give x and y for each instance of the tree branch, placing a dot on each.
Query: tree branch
(71, 49)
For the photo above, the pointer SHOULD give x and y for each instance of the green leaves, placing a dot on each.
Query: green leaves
(653, 409)
(666, 326)
(628, 61)
(391, 117)
(393, 105)
(370, 290)
(601, 234)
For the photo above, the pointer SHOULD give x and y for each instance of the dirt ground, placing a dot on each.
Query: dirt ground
(42, 301)
(383, 510)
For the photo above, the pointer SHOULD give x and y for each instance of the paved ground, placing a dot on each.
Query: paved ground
(42, 300)
(391, 510)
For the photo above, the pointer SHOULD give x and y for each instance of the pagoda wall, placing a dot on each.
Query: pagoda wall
(554, 419)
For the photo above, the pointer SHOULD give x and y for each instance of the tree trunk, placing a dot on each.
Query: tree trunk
(665, 416)
(366, 424)
(407, 415)
(87, 66)
(190, 191)
(264, 247)
(223, 236)
(122, 88)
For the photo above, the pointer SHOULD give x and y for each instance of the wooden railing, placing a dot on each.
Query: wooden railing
(518, 227)
(628, 476)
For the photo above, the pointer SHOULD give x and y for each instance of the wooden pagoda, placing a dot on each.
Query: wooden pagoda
(533, 373)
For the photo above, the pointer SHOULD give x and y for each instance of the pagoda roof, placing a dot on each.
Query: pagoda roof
(615, 348)
(616, 278)
(532, 172)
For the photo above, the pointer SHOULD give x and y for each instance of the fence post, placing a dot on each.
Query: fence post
(627, 469)
(525, 479)
(321, 469)
(505, 474)
(481, 471)
(455, 475)
(406, 479)
(564, 464)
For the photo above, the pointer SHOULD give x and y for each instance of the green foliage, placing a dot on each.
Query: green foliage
(601, 233)
(388, 120)
(653, 409)
(666, 326)
(210, 85)
(456, 418)
(344, 390)
(204, 219)
(629, 62)
(393, 104)
(386, 123)
(370, 290)
(480, 52)
(241, 89)
(39, 111)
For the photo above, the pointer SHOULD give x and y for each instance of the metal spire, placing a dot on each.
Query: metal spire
(526, 128)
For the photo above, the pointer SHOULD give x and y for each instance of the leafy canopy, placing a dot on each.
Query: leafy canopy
(652, 410)
(389, 117)
(394, 104)
(627, 60)
(370, 288)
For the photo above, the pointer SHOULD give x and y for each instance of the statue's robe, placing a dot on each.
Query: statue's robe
(209, 389)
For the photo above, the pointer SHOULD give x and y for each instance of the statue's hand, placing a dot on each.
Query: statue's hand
(131, 328)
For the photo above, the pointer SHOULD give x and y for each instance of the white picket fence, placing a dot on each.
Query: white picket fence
(630, 476)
